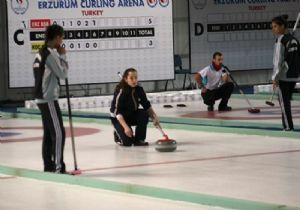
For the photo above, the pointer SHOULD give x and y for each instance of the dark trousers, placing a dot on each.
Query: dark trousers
(54, 137)
(285, 93)
(140, 119)
(223, 92)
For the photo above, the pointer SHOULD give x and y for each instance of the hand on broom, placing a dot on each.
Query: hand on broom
(275, 84)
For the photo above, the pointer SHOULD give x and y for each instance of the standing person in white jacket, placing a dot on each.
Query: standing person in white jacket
(286, 67)
(49, 67)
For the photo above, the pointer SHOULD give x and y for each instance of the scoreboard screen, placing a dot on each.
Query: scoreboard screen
(102, 38)
(240, 29)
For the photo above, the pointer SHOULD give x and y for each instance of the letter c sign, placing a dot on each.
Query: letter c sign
(17, 39)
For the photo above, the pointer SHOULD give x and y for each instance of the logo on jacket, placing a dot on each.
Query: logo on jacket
(19, 6)
(152, 3)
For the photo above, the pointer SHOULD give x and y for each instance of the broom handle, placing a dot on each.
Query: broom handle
(162, 132)
(296, 23)
(71, 124)
(236, 84)
(272, 96)
(274, 91)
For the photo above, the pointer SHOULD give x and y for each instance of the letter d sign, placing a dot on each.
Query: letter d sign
(199, 29)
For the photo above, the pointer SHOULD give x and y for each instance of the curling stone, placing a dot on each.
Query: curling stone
(167, 106)
(165, 144)
(254, 110)
(181, 105)
(270, 103)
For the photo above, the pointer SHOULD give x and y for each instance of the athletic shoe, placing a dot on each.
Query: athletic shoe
(288, 130)
(60, 171)
(141, 143)
(49, 167)
(224, 109)
(210, 108)
(49, 170)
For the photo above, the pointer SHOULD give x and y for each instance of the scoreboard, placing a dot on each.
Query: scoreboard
(102, 37)
(85, 35)
(240, 29)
